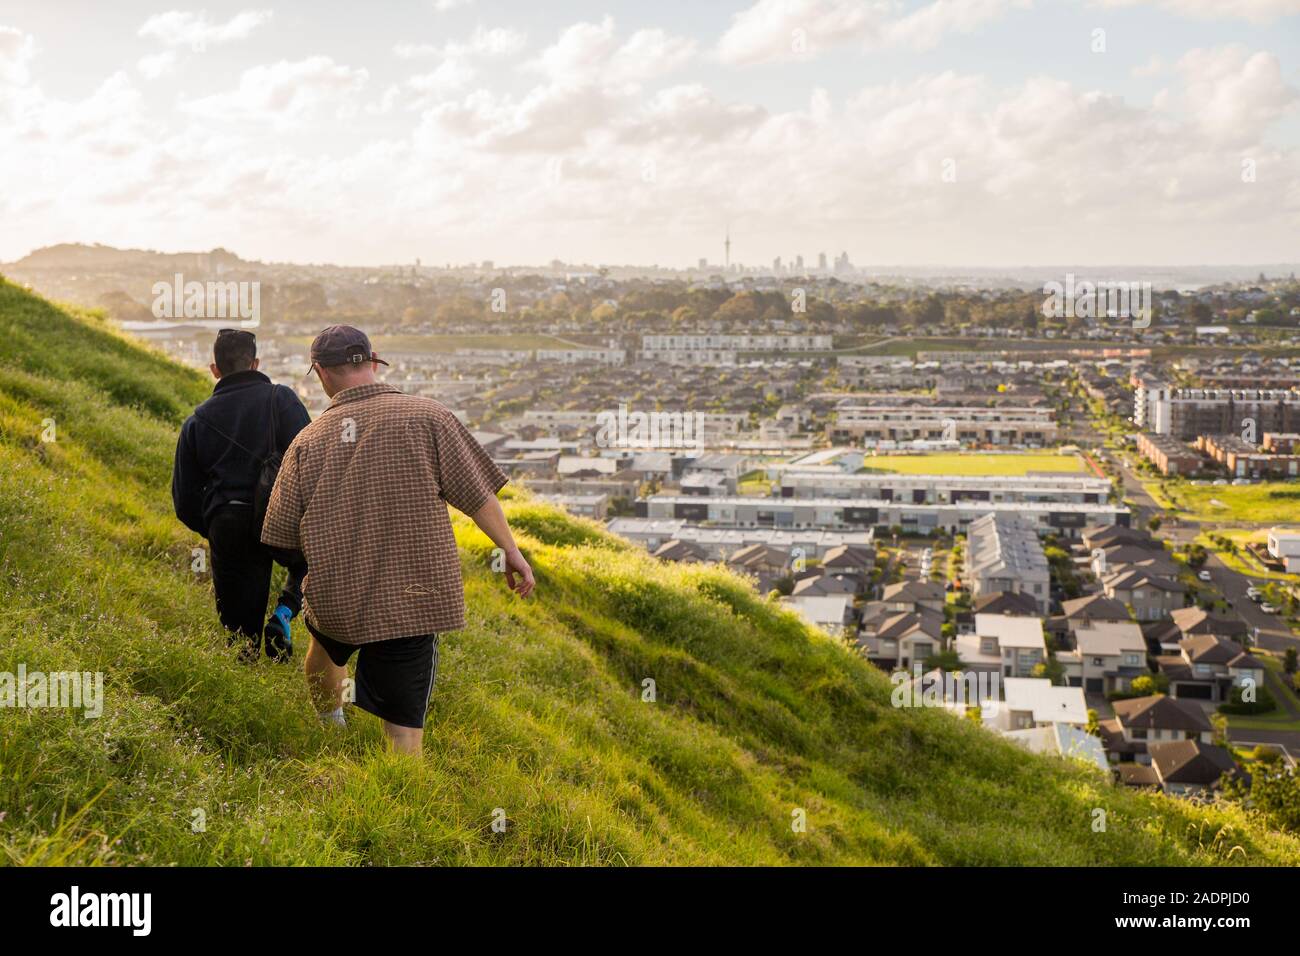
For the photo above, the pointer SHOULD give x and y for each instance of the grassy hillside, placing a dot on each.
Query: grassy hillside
(537, 710)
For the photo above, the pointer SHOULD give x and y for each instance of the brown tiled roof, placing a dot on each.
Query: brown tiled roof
(1162, 712)
(1190, 761)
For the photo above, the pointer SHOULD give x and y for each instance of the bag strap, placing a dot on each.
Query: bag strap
(271, 445)
(244, 448)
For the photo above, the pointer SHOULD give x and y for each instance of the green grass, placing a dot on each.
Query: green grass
(1012, 463)
(538, 708)
(1269, 502)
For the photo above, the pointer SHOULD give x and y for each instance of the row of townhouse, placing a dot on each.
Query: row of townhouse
(695, 342)
(832, 482)
(1004, 554)
(1064, 518)
(872, 424)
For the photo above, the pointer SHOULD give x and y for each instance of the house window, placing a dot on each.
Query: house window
(1139, 733)
(1098, 662)
(1132, 660)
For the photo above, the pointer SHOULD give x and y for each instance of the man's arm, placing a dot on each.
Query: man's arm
(492, 521)
(187, 483)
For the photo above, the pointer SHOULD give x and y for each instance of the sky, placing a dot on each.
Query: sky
(987, 133)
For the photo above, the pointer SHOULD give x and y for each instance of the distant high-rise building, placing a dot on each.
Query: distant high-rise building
(726, 252)
(704, 264)
(821, 262)
(776, 265)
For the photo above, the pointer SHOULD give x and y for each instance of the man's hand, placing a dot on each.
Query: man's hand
(516, 565)
(492, 521)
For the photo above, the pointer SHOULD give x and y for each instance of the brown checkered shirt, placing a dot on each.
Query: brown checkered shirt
(363, 493)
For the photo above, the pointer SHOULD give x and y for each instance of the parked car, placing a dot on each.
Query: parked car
(1204, 575)
(1254, 593)
(1268, 608)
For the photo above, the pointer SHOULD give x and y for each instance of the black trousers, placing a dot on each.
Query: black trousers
(241, 572)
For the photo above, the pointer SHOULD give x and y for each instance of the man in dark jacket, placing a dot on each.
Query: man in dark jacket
(218, 459)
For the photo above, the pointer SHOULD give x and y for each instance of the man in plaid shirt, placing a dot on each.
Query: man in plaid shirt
(363, 494)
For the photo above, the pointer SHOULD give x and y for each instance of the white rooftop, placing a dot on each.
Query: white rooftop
(1109, 638)
(1048, 703)
(1010, 631)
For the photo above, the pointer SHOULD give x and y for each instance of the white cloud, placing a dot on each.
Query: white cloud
(285, 91)
(195, 30)
(459, 65)
(1235, 95)
(1256, 11)
(442, 6)
(777, 30)
(155, 65)
(596, 149)
(590, 53)
(17, 50)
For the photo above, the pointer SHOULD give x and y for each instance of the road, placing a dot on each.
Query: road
(1273, 633)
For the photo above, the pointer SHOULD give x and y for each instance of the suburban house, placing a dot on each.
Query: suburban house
(1012, 646)
(1108, 536)
(1284, 546)
(824, 584)
(1062, 740)
(1107, 656)
(904, 640)
(1142, 721)
(1193, 622)
(1036, 702)
(1181, 767)
(1081, 611)
(1123, 557)
(681, 551)
(1208, 667)
(763, 561)
(1150, 595)
(831, 612)
(1006, 602)
(911, 595)
(849, 559)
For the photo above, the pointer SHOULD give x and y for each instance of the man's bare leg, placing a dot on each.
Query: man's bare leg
(324, 679)
(405, 740)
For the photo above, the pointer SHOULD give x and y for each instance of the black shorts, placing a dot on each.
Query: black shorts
(394, 678)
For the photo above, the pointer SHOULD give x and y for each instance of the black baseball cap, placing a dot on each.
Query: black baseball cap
(342, 345)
